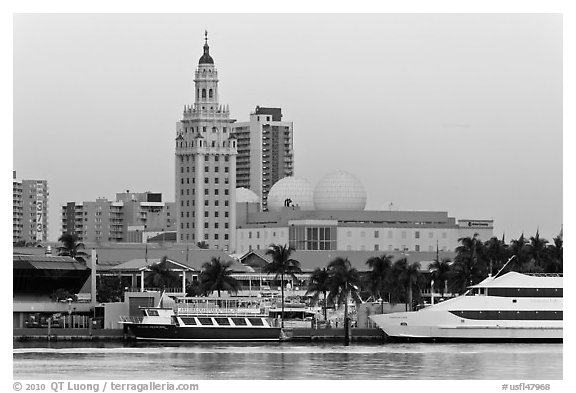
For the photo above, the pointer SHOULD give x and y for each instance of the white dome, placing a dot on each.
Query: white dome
(298, 190)
(339, 191)
(246, 195)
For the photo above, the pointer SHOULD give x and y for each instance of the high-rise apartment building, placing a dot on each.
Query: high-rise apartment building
(16, 209)
(30, 210)
(265, 151)
(205, 165)
(127, 219)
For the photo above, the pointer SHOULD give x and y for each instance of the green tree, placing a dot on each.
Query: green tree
(440, 273)
(496, 252)
(537, 252)
(216, 276)
(344, 285)
(554, 260)
(408, 277)
(109, 289)
(519, 248)
(469, 265)
(71, 247)
(160, 276)
(378, 277)
(319, 284)
(282, 265)
(203, 245)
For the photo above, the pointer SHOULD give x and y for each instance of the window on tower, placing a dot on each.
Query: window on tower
(204, 92)
(210, 93)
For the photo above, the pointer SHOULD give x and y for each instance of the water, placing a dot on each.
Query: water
(73, 360)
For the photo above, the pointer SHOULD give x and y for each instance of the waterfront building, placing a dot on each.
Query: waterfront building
(205, 170)
(36, 280)
(30, 210)
(132, 217)
(265, 151)
(332, 217)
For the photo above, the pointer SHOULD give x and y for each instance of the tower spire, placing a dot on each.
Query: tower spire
(206, 58)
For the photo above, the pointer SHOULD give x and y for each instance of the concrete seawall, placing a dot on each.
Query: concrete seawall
(67, 334)
(336, 335)
(291, 334)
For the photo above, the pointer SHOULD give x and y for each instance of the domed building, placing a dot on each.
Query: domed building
(292, 190)
(339, 191)
(244, 195)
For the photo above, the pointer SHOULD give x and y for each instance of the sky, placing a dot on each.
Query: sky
(444, 112)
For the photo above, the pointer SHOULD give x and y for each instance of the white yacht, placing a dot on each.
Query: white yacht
(517, 307)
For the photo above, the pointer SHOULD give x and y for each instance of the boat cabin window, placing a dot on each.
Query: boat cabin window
(239, 321)
(256, 321)
(476, 292)
(205, 321)
(188, 320)
(222, 321)
(152, 313)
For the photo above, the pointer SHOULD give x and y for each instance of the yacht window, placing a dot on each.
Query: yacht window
(256, 321)
(222, 321)
(188, 320)
(239, 321)
(206, 321)
(152, 313)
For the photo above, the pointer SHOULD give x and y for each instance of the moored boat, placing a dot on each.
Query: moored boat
(514, 307)
(205, 319)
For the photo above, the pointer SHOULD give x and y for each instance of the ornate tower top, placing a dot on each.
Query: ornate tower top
(206, 58)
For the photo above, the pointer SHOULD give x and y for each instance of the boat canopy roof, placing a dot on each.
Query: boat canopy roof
(522, 280)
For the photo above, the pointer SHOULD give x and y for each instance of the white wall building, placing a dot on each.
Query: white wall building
(265, 151)
(342, 223)
(205, 171)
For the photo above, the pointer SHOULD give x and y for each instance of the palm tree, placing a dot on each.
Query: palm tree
(378, 277)
(216, 276)
(319, 283)
(554, 259)
(282, 265)
(519, 249)
(161, 276)
(440, 272)
(536, 251)
(71, 247)
(408, 276)
(496, 252)
(469, 265)
(344, 284)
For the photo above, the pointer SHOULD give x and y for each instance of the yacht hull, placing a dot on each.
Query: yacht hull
(443, 326)
(149, 332)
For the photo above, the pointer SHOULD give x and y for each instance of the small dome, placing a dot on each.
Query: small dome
(245, 195)
(298, 191)
(340, 191)
(206, 58)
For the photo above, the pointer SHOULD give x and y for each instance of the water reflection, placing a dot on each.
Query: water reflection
(69, 360)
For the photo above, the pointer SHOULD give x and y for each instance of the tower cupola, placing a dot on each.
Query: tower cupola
(206, 58)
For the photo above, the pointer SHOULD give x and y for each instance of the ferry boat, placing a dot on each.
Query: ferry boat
(514, 307)
(205, 319)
